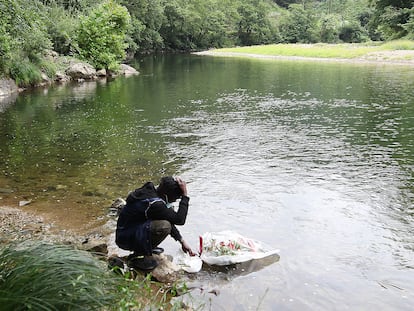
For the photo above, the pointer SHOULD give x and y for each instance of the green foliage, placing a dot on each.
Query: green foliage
(145, 294)
(24, 72)
(254, 27)
(352, 33)
(23, 38)
(61, 28)
(329, 28)
(176, 29)
(409, 26)
(47, 67)
(48, 277)
(6, 42)
(147, 17)
(286, 3)
(398, 45)
(298, 25)
(210, 27)
(39, 276)
(101, 35)
(102, 31)
(73, 6)
(391, 18)
(23, 28)
(201, 24)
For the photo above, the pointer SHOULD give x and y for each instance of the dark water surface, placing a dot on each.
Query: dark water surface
(314, 159)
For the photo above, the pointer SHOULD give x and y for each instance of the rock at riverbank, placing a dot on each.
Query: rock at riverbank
(8, 93)
(81, 71)
(127, 70)
(7, 100)
(68, 69)
(7, 87)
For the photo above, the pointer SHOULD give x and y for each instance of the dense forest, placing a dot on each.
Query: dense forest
(105, 32)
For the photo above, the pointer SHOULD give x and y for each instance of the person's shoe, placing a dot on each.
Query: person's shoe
(142, 263)
(157, 250)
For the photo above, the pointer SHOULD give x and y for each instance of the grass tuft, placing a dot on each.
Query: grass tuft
(47, 277)
(41, 276)
(25, 73)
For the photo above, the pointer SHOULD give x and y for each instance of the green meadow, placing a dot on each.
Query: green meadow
(321, 50)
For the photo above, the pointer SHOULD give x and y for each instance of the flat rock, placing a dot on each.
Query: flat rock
(78, 71)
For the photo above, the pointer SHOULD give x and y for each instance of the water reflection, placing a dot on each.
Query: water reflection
(314, 159)
(231, 271)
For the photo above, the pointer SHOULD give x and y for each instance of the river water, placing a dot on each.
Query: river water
(314, 159)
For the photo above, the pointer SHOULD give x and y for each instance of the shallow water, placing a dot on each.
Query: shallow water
(314, 159)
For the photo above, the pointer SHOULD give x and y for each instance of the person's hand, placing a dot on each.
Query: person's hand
(186, 248)
(182, 185)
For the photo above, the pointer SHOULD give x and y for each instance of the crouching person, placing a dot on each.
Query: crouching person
(147, 219)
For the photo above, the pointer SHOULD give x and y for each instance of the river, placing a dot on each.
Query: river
(315, 159)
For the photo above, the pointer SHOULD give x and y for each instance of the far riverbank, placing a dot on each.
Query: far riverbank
(398, 52)
(397, 57)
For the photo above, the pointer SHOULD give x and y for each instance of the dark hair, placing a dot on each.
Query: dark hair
(169, 186)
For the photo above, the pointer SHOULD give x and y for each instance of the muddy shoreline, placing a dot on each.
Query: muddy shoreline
(19, 225)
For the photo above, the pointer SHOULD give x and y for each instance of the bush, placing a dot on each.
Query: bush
(352, 33)
(5, 48)
(101, 35)
(24, 72)
(409, 26)
(61, 28)
(329, 28)
(298, 26)
(254, 27)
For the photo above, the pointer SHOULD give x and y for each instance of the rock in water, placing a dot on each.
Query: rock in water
(166, 271)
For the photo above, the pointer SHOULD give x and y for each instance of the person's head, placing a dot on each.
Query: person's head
(169, 189)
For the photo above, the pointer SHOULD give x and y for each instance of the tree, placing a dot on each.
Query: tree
(298, 25)
(329, 28)
(101, 35)
(174, 29)
(352, 33)
(391, 17)
(23, 39)
(147, 17)
(286, 3)
(409, 26)
(72, 6)
(61, 28)
(254, 26)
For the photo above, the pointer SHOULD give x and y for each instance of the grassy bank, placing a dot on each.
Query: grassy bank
(39, 276)
(42, 270)
(322, 50)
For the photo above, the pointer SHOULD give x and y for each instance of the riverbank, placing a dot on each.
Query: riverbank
(66, 69)
(386, 57)
(19, 225)
(399, 52)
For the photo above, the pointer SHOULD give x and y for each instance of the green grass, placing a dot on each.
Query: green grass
(25, 73)
(399, 45)
(321, 50)
(39, 276)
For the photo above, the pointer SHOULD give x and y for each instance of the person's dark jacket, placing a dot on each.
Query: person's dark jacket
(134, 221)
